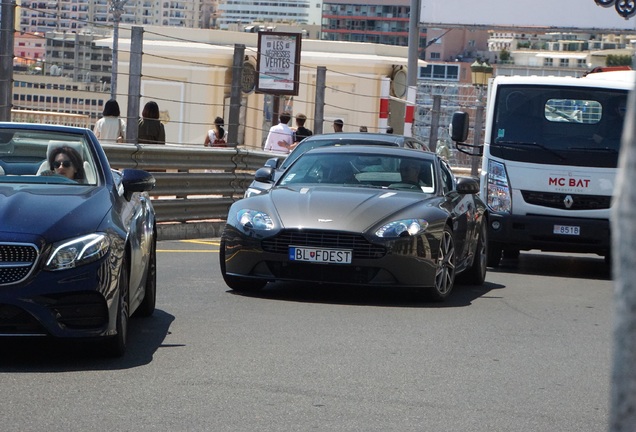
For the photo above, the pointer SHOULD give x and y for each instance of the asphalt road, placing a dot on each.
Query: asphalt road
(528, 351)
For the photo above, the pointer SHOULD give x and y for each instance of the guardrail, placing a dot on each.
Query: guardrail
(195, 185)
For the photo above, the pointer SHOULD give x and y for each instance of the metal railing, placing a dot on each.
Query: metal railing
(195, 185)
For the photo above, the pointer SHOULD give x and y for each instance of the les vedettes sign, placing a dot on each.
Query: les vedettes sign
(278, 63)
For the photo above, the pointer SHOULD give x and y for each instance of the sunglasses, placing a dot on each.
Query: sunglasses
(65, 164)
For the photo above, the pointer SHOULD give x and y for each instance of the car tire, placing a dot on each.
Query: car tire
(147, 306)
(115, 346)
(476, 273)
(445, 267)
(238, 283)
(494, 255)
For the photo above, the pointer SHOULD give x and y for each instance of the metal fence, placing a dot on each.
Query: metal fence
(195, 185)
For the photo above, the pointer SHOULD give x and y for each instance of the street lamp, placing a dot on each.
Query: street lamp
(116, 8)
(480, 72)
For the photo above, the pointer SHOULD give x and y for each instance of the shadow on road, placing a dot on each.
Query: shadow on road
(145, 336)
(462, 295)
(557, 265)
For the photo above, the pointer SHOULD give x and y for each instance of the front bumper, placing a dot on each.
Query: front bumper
(67, 304)
(537, 232)
(407, 262)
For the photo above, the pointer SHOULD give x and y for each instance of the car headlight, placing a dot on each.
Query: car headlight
(254, 219)
(402, 228)
(251, 192)
(77, 252)
(498, 192)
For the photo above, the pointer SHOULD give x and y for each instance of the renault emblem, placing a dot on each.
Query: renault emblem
(568, 201)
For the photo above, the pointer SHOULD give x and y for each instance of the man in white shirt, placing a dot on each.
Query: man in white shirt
(280, 137)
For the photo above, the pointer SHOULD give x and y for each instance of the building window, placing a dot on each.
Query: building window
(439, 72)
(548, 61)
(435, 56)
(564, 62)
(582, 63)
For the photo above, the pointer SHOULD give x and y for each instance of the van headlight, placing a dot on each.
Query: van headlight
(498, 188)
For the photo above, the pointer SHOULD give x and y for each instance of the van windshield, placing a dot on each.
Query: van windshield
(558, 125)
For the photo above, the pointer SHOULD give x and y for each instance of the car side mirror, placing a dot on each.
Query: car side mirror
(264, 175)
(467, 185)
(135, 180)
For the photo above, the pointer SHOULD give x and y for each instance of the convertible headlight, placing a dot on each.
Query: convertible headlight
(77, 252)
(402, 228)
(254, 219)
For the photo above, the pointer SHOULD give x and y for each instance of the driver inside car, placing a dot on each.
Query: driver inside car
(67, 162)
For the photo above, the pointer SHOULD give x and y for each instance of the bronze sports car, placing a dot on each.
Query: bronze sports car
(359, 215)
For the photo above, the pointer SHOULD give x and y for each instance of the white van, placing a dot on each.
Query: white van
(550, 158)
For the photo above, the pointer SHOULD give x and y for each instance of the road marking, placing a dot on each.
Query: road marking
(202, 242)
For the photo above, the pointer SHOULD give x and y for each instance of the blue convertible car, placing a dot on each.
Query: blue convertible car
(77, 238)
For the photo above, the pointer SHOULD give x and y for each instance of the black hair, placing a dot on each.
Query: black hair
(111, 108)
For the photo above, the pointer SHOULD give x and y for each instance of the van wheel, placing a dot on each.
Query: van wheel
(494, 254)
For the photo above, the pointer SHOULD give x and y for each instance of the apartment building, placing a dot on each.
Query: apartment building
(74, 15)
(556, 53)
(373, 21)
(239, 12)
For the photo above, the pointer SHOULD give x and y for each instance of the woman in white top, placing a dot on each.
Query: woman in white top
(216, 136)
(110, 128)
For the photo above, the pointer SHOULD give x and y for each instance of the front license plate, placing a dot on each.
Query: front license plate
(567, 230)
(320, 255)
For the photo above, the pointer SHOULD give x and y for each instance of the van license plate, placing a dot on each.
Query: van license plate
(567, 230)
(320, 255)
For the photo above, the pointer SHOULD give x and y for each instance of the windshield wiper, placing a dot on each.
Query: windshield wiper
(513, 145)
(594, 149)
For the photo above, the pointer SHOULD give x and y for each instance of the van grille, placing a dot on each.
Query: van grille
(559, 200)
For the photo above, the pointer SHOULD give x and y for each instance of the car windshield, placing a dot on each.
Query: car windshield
(362, 170)
(309, 144)
(45, 157)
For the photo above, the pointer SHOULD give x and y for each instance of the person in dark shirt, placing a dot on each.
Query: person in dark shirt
(151, 130)
(301, 131)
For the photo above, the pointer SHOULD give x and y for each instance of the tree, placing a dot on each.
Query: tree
(504, 55)
(618, 60)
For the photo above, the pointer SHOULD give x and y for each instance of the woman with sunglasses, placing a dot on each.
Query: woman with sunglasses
(66, 161)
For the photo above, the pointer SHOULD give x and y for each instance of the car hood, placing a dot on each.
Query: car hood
(52, 212)
(340, 208)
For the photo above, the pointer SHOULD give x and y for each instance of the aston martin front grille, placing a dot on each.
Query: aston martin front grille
(362, 248)
(561, 200)
(16, 262)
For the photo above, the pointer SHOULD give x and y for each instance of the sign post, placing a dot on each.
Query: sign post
(278, 66)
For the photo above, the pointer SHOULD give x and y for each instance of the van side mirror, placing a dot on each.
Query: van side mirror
(459, 134)
(459, 126)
